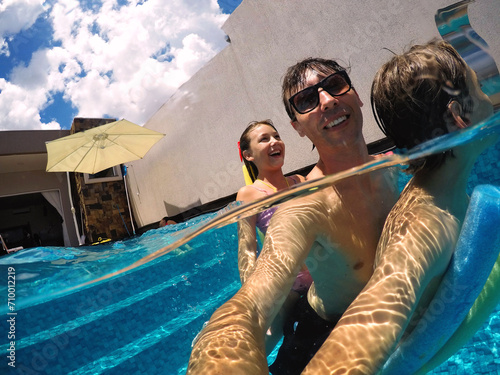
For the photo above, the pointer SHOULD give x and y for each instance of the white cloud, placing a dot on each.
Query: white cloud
(124, 62)
(20, 107)
(17, 15)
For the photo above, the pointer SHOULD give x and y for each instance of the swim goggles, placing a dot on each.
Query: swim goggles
(306, 100)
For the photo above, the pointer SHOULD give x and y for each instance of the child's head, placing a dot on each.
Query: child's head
(245, 144)
(418, 96)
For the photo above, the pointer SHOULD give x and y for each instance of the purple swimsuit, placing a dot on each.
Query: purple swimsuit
(264, 217)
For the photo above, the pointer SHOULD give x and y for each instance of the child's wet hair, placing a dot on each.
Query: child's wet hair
(411, 92)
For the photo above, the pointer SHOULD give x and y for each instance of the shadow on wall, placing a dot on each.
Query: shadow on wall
(177, 210)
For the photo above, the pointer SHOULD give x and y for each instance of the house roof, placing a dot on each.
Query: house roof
(24, 150)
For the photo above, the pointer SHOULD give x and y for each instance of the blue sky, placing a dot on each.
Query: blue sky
(61, 59)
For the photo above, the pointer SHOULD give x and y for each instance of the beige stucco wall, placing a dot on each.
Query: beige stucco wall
(198, 162)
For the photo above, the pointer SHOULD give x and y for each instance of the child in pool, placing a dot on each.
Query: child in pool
(419, 95)
(263, 152)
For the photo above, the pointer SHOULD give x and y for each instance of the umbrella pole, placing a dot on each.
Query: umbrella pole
(73, 210)
(128, 203)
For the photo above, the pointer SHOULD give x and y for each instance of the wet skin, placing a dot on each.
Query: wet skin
(335, 232)
(414, 251)
(339, 259)
(415, 248)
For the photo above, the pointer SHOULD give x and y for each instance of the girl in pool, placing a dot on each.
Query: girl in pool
(263, 153)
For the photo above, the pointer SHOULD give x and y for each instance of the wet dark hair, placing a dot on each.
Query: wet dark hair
(253, 171)
(410, 96)
(295, 78)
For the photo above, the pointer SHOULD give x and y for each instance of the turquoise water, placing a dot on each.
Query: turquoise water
(140, 322)
(143, 320)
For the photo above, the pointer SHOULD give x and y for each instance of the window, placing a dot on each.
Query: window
(107, 175)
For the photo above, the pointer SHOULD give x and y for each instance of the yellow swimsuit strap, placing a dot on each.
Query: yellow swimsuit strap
(271, 186)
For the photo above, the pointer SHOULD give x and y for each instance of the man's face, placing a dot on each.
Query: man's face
(336, 121)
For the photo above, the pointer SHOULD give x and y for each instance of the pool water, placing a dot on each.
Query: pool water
(143, 321)
(140, 322)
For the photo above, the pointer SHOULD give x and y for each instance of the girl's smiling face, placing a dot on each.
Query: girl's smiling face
(266, 147)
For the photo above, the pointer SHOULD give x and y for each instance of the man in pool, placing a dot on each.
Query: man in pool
(419, 95)
(334, 232)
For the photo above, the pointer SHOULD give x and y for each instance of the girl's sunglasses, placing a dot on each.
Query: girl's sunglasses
(306, 100)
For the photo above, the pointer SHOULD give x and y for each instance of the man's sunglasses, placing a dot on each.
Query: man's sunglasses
(306, 100)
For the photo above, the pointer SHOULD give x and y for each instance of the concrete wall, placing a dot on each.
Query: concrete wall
(198, 162)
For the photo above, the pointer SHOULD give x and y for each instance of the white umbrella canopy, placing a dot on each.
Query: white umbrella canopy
(99, 148)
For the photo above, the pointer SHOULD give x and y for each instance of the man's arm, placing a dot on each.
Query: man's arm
(415, 248)
(233, 341)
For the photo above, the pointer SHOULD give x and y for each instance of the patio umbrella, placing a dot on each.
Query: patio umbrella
(99, 148)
